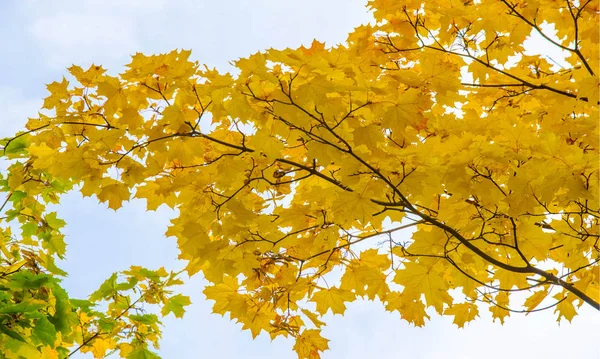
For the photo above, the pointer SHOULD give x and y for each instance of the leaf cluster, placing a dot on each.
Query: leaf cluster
(295, 178)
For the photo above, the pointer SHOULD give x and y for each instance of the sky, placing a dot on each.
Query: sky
(41, 38)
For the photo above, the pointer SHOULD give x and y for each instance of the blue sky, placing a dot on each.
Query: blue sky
(40, 38)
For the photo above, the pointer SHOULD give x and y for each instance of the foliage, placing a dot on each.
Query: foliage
(37, 317)
(304, 165)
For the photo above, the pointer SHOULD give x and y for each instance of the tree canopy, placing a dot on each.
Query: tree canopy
(293, 176)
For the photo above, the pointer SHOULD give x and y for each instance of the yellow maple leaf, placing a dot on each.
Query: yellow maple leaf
(365, 280)
(258, 320)
(424, 278)
(535, 299)
(463, 313)
(313, 318)
(565, 308)
(499, 311)
(114, 194)
(412, 310)
(332, 298)
(309, 344)
(101, 345)
(45, 156)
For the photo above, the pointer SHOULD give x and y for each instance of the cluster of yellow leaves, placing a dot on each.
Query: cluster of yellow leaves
(435, 118)
(37, 317)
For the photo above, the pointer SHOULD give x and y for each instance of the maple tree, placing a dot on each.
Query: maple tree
(305, 165)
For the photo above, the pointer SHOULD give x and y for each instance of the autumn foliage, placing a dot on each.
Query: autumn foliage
(293, 176)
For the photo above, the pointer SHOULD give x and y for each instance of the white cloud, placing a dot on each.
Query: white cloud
(108, 32)
(15, 109)
(83, 38)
